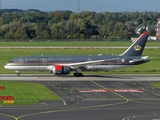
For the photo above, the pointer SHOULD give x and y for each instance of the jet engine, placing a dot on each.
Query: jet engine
(61, 70)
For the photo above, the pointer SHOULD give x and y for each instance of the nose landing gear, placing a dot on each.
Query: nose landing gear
(18, 73)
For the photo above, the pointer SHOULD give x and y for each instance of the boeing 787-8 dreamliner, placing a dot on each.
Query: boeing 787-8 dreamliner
(61, 65)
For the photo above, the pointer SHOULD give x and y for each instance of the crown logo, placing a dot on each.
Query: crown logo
(137, 48)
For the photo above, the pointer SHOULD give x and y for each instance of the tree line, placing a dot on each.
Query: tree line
(38, 25)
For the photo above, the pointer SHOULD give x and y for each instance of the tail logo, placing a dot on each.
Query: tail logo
(137, 48)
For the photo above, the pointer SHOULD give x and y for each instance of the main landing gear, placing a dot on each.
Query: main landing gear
(18, 73)
(78, 74)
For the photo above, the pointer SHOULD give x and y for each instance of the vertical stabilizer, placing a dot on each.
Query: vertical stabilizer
(136, 49)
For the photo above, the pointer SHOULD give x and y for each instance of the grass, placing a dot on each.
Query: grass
(82, 43)
(148, 68)
(26, 93)
(157, 84)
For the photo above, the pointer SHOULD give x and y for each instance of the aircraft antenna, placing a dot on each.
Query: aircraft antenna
(0, 8)
(1, 16)
(0, 4)
(78, 10)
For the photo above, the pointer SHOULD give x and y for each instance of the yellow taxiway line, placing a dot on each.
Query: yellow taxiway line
(110, 90)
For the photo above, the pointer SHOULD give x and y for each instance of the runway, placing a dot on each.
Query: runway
(109, 97)
(50, 77)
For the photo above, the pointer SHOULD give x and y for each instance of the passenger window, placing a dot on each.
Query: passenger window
(10, 61)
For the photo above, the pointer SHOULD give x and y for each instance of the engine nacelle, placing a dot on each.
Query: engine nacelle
(61, 70)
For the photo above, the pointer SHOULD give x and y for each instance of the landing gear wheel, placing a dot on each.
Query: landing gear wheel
(78, 74)
(81, 75)
(18, 74)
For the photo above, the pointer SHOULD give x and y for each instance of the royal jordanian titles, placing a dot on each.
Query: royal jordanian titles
(62, 65)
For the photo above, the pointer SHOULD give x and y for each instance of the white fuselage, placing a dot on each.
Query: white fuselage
(46, 68)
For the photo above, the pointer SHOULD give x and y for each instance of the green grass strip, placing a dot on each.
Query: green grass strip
(74, 44)
(157, 84)
(27, 93)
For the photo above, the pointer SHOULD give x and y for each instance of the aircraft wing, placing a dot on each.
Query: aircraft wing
(82, 64)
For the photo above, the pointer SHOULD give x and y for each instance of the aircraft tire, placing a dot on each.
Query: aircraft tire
(18, 74)
(78, 74)
(81, 75)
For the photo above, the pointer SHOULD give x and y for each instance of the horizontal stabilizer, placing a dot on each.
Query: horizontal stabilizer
(139, 61)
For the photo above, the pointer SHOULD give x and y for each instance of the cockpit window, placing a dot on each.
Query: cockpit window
(10, 61)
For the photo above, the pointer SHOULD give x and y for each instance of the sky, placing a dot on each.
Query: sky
(85, 5)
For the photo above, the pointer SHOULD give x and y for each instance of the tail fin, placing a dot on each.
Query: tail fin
(137, 47)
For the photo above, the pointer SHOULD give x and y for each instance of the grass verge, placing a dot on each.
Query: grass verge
(157, 85)
(27, 93)
(73, 44)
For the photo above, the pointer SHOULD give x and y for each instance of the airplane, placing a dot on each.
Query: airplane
(63, 65)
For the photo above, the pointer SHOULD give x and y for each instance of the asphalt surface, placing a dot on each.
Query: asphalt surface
(51, 77)
(93, 99)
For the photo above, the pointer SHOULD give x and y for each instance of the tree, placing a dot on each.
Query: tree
(67, 14)
(4, 29)
(6, 18)
(152, 32)
(98, 18)
(51, 17)
(131, 32)
(102, 31)
(17, 34)
(82, 36)
(58, 17)
(9, 35)
(140, 20)
(142, 31)
(55, 31)
(86, 28)
(110, 27)
(76, 36)
(24, 34)
(118, 30)
(73, 16)
(71, 28)
(135, 16)
(69, 36)
(46, 34)
(35, 24)
(30, 29)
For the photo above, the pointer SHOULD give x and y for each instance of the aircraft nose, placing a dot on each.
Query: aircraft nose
(6, 66)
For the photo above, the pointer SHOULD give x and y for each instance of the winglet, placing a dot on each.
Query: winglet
(137, 47)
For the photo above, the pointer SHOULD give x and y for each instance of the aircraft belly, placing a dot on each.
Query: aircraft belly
(27, 68)
(106, 67)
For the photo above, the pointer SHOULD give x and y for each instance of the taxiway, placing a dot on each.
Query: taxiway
(111, 97)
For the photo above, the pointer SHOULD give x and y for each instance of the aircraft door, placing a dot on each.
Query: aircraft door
(118, 61)
(21, 61)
